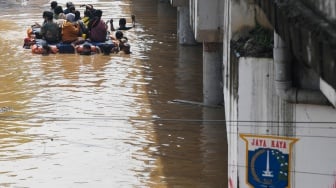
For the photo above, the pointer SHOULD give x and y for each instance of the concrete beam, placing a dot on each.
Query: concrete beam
(179, 3)
(207, 20)
(312, 36)
(209, 35)
(328, 91)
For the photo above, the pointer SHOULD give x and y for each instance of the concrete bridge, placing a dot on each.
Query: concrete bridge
(272, 64)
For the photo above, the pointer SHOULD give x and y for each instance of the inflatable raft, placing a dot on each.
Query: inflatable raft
(83, 47)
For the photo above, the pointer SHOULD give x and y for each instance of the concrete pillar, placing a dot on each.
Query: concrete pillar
(184, 31)
(212, 74)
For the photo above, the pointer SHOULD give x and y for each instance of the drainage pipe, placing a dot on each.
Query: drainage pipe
(283, 82)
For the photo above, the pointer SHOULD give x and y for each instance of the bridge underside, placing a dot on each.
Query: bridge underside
(311, 38)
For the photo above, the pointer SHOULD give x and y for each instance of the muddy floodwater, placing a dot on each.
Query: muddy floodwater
(69, 121)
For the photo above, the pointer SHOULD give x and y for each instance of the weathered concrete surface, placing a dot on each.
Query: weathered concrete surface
(328, 91)
(261, 112)
(250, 94)
(184, 31)
(207, 20)
(245, 16)
(326, 8)
(311, 37)
(313, 151)
(179, 3)
(212, 74)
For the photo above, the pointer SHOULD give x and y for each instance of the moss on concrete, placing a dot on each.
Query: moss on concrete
(258, 42)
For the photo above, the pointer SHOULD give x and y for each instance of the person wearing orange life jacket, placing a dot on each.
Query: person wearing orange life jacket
(97, 29)
(70, 29)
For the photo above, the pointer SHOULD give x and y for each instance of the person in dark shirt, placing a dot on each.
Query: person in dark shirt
(122, 24)
(53, 5)
(57, 12)
(70, 8)
(50, 31)
(97, 29)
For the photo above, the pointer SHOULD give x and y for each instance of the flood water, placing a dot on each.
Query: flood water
(107, 121)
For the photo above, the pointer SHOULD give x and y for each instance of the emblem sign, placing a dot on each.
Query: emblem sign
(268, 160)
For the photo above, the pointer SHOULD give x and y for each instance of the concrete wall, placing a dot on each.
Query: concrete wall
(239, 17)
(254, 91)
(251, 104)
(230, 98)
(325, 7)
(260, 112)
(244, 17)
(207, 20)
(314, 152)
(309, 30)
(179, 3)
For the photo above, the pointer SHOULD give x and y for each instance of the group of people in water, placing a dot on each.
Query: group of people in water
(85, 35)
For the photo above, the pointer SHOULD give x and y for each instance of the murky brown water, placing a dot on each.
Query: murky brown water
(106, 121)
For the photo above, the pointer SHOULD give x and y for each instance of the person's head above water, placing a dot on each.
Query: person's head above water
(126, 48)
(53, 4)
(122, 22)
(58, 10)
(69, 4)
(86, 49)
(119, 35)
(70, 17)
(98, 13)
(47, 15)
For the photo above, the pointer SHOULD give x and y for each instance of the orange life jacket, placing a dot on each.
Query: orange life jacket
(70, 32)
(30, 32)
